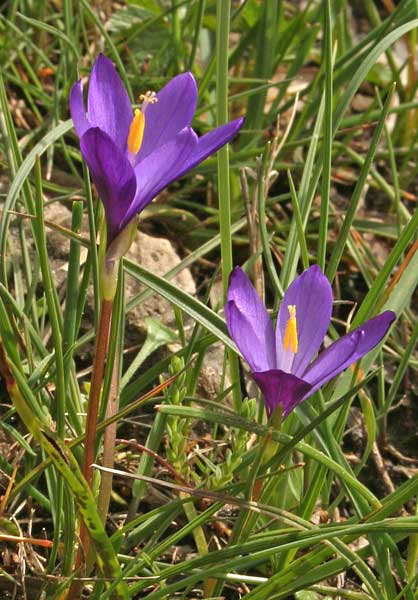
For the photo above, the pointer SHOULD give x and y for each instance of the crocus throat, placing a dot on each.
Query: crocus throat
(290, 341)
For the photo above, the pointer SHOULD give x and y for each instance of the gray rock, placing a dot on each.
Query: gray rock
(158, 256)
(210, 376)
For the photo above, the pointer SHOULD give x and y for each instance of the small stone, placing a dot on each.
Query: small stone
(210, 376)
(158, 256)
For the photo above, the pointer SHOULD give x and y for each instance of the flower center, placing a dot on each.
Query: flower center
(136, 130)
(291, 334)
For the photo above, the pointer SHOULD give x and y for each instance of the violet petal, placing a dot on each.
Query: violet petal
(213, 140)
(282, 388)
(348, 349)
(162, 167)
(249, 323)
(173, 112)
(78, 109)
(112, 175)
(109, 106)
(311, 293)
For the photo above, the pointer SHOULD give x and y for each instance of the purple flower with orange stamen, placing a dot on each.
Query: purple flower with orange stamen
(132, 156)
(281, 362)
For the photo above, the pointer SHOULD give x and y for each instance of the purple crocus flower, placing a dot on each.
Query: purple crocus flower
(133, 155)
(281, 362)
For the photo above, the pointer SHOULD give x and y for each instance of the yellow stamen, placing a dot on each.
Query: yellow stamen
(136, 132)
(291, 333)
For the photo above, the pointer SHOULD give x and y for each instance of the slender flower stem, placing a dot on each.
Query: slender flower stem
(109, 277)
(109, 438)
(100, 353)
(84, 558)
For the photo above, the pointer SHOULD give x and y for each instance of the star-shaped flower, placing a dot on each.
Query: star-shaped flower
(133, 155)
(282, 361)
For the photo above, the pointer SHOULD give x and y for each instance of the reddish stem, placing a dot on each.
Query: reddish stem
(109, 436)
(99, 361)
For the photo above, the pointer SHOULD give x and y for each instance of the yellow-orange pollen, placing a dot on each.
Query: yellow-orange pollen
(136, 130)
(291, 334)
